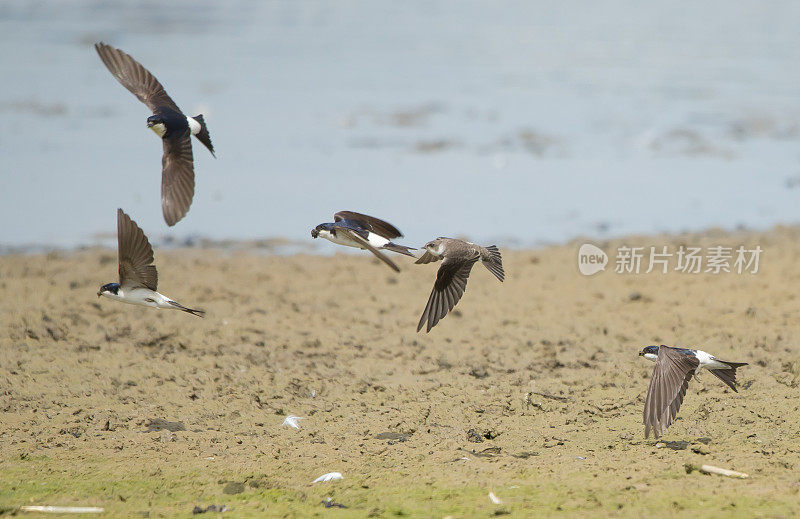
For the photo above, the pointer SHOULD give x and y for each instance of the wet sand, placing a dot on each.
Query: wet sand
(531, 389)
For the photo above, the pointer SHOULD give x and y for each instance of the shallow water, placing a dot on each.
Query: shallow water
(529, 123)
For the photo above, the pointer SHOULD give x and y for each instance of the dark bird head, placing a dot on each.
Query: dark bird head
(649, 350)
(109, 288)
(157, 124)
(321, 227)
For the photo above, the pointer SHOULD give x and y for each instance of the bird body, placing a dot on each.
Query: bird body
(458, 250)
(458, 257)
(329, 232)
(712, 364)
(169, 123)
(362, 231)
(138, 278)
(143, 296)
(674, 368)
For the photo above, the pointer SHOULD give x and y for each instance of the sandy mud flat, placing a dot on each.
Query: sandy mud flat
(532, 389)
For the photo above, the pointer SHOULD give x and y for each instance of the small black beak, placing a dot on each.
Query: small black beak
(150, 124)
(99, 294)
(314, 233)
(641, 354)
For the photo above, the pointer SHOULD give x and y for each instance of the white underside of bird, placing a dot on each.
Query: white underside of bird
(160, 129)
(706, 360)
(142, 297)
(375, 240)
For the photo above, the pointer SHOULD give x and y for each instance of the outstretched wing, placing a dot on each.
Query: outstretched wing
(375, 225)
(364, 243)
(136, 267)
(671, 376)
(427, 258)
(133, 76)
(177, 177)
(451, 282)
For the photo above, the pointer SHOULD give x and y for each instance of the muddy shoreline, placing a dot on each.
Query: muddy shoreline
(532, 389)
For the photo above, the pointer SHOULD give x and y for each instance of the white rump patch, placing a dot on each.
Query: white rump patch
(194, 126)
(708, 361)
(376, 240)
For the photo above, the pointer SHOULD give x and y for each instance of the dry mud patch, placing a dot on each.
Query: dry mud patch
(532, 389)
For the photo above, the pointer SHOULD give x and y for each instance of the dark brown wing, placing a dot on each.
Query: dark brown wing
(136, 267)
(133, 76)
(451, 282)
(364, 243)
(177, 177)
(671, 376)
(375, 225)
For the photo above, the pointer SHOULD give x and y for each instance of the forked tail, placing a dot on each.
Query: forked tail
(402, 249)
(494, 262)
(198, 313)
(203, 135)
(728, 376)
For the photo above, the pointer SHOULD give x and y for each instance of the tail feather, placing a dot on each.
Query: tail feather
(733, 365)
(495, 262)
(728, 376)
(203, 135)
(401, 249)
(198, 313)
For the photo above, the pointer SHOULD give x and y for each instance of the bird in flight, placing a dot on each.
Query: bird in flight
(451, 280)
(169, 123)
(671, 374)
(138, 279)
(363, 232)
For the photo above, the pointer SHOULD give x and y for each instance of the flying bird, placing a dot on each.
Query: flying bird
(671, 374)
(138, 279)
(451, 280)
(363, 232)
(169, 123)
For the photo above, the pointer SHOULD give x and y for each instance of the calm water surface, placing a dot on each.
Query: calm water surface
(521, 123)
